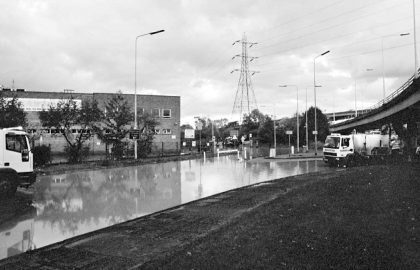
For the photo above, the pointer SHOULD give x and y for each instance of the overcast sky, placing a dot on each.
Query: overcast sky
(88, 46)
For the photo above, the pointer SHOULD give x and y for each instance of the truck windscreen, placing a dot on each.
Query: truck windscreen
(332, 142)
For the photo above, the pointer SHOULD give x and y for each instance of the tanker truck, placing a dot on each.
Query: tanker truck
(349, 150)
(16, 161)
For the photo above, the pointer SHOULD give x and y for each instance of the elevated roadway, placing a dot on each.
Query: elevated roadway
(399, 111)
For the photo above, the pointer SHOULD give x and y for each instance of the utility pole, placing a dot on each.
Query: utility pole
(415, 41)
(245, 100)
(212, 136)
(306, 120)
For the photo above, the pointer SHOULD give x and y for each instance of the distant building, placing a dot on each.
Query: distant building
(166, 109)
(341, 116)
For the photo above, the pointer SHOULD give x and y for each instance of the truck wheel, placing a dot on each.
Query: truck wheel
(8, 185)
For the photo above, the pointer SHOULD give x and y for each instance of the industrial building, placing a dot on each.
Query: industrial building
(166, 110)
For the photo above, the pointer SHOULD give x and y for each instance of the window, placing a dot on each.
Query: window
(155, 112)
(345, 142)
(166, 131)
(157, 131)
(16, 143)
(332, 142)
(166, 113)
(140, 111)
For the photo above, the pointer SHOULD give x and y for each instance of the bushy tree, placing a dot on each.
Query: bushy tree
(266, 131)
(146, 124)
(252, 122)
(207, 129)
(66, 116)
(115, 125)
(322, 124)
(11, 113)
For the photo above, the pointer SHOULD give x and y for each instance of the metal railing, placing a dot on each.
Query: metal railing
(390, 97)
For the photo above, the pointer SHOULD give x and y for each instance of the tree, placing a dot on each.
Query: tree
(11, 113)
(147, 124)
(322, 124)
(266, 131)
(67, 115)
(115, 126)
(251, 123)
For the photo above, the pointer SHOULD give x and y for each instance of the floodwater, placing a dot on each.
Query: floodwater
(67, 205)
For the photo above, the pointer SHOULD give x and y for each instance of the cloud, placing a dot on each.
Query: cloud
(49, 45)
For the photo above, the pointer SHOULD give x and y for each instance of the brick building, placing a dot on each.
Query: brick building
(166, 109)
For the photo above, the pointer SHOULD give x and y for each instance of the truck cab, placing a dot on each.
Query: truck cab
(350, 149)
(16, 160)
(337, 148)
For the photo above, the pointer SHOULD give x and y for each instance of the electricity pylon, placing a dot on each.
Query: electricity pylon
(245, 100)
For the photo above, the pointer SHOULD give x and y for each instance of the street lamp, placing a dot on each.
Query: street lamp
(383, 63)
(135, 85)
(274, 126)
(316, 127)
(306, 119)
(297, 113)
(355, 94)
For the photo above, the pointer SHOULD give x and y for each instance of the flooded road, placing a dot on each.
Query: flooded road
(71, 204)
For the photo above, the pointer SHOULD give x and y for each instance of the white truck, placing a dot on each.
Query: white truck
(16, 161)
(348, 150)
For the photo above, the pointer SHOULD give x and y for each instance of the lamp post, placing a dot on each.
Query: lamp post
(306, 120)
(135, 85)
(383, 63)
(316, 127)
(274, 126)
(274, 134)
(297, 113)
(415, 41)
(355, 94)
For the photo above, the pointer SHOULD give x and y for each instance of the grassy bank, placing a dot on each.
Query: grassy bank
(365, 218)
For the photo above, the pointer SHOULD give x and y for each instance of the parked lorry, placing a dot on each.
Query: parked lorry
(16, 161)
(349, 150)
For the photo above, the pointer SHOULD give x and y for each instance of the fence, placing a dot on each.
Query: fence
(390, 97)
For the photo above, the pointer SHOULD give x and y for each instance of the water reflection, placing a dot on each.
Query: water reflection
(202, 178)
(17, 236)
(75, 203)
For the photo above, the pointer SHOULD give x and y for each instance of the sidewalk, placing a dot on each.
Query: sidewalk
(362, 217)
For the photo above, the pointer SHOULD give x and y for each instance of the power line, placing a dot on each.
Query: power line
(331, 39)
(323, 29)
(324, 20)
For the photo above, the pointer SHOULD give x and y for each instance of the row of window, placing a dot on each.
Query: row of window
(156, 112)
(164, 131)
(33, 109)
(58, 131)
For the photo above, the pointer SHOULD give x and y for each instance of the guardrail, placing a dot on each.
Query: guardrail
(227, 151)
(390, 97)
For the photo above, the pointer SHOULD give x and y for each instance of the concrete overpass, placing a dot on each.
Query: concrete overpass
(399, 111)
